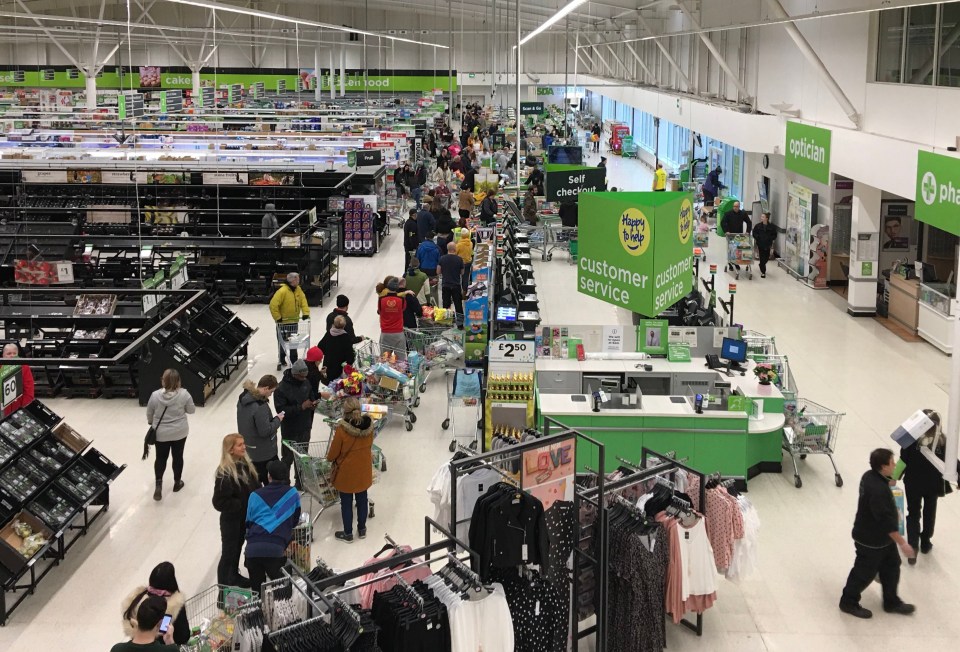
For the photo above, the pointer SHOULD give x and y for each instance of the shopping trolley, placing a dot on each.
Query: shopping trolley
(314, 470)
(298, 551)
(293, 337)
(387, 380)
(739, 254)
(437, 345)
(810, 429)
(211, 613)
(758, 344)
(463, 398)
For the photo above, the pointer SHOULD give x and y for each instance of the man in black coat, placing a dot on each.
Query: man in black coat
(764, 235)
(296, 400)
(411, 240)
(876, 535)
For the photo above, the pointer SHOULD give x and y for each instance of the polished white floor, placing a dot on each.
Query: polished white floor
(851, 365)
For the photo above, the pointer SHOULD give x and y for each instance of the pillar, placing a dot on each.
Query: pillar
(864, 251)
(318, 91)
(195, 83)
(91, 83)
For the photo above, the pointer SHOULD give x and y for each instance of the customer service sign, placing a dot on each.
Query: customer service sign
(635, 248)
(938, 191)
(808, 151)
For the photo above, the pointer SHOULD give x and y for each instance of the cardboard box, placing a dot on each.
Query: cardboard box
(389, 383)
(912, 429)
(10, 541)
(70, 438)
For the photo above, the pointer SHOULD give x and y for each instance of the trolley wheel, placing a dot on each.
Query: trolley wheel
(371, 513)
(803, 457)
(279, 366)
(409, 426)
(383, 464)
(453, 445)
(838, 480)
(445, 425)
(412, 418)
(797, 482)
(473, 445)
(549, 256)
(416, 402)
(423, 387)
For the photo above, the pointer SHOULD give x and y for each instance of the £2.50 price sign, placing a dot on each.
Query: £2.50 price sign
(519, 351)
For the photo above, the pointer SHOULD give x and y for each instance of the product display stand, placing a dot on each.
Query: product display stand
(53, 487)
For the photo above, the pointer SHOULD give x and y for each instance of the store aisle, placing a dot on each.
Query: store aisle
(855, 366)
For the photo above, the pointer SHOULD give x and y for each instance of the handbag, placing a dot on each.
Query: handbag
(151, 437)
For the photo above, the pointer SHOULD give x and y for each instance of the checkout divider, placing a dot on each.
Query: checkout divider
(651, 400)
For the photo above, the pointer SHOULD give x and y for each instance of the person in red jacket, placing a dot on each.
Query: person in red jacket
(390, 307)
(26, 398)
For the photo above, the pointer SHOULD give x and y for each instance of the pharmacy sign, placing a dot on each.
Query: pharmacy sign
(938, 191)
(807, 151)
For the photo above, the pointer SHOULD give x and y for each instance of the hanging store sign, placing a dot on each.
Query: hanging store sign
(234, 93)
(225, 178)
(369, 157)
(938, 191)
(531, 108)
(208, 97)
(281, 86)
(130, 105)
(568, 181)
(807, 151)
(171, 101)
(635, 249)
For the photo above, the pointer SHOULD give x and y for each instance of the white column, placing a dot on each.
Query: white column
(333, 86)
(318, 92)
(195, 82)
(862, 287)
(91, 83)
(343, 72)
(953, 407)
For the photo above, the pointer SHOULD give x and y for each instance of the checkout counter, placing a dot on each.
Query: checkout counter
(655, 409)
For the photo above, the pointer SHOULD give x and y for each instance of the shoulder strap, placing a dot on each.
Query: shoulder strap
(161, 416)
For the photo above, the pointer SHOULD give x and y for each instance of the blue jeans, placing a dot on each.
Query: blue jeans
(417, 193)
(346, 511)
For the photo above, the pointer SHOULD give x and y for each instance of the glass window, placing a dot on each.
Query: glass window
(890, 45)
(921, 45)
(948, 73)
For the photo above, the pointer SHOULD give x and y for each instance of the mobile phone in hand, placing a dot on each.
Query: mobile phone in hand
(165, 623)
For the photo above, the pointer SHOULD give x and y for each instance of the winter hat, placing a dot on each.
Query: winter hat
(299, 367)
(314, 354)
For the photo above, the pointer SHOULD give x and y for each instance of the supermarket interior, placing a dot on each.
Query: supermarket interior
(305, 347)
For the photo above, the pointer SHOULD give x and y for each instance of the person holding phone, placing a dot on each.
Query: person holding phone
(297, 401)
(162, 585)
(257, 424)
(154, 628)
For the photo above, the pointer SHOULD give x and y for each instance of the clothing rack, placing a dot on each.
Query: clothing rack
(553, 433)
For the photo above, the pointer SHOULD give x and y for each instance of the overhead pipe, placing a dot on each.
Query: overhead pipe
(814, 59)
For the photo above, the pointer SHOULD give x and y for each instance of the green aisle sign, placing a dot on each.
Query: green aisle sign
(807, 151)
(938, 191)
(635, 249)
(568, 181)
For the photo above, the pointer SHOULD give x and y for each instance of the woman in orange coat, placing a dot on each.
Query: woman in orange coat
(351, 452)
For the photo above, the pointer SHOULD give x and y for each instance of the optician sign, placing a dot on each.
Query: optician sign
(568, 181)
(938, 191)
(807, 151)
(635, 249)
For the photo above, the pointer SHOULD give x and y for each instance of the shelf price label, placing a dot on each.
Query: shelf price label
(515, 351)
(11, 384)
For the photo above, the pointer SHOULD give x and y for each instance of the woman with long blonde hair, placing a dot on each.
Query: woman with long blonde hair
(236, 479)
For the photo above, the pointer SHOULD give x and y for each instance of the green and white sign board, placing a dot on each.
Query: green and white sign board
(938, 191)
(807, 151)
(568, 181)
(635, 249)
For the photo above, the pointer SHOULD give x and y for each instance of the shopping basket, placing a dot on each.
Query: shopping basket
(211, 616)
(810, 429)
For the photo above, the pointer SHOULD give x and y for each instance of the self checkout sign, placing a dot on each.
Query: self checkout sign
(518, 351)
(11, 384)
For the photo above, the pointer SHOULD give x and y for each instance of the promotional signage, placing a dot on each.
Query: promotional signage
(519, 351)
(393, 135)
(549, 472)
(379, 144)
(635, 249)
(42, 272)
(531, 108)
(11, 384)
(938, 191)
(369, 157)
(568, 181)
(807, 151)
(352, 158)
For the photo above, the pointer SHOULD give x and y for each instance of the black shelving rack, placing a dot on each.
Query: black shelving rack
(52, 479)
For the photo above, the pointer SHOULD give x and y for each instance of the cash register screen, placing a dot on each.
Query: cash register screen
(733, 350)
(506, 313)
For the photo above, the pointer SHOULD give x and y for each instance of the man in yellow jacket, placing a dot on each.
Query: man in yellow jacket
(288, 305)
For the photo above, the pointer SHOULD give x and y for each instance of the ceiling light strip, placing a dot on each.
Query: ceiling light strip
(549, 22)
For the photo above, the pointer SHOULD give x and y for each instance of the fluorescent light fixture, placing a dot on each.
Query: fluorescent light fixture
(549, 22)
(219, 6)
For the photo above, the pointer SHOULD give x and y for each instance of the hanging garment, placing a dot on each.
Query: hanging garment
(508, 529)
(746, 550)
(387, 574)
(406, 626)
(724, 525)
(478, 625)
(539, 610)
(470, 488)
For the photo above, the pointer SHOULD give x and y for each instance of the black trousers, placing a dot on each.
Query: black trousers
(260, 568)
(453, 294)
(925, 505)
(232, 532)
(869, 563)
(261, 468)
(763, 253)
(164, 448)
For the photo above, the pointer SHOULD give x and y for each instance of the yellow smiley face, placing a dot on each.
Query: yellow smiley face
(685, 221)
(634, 231)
